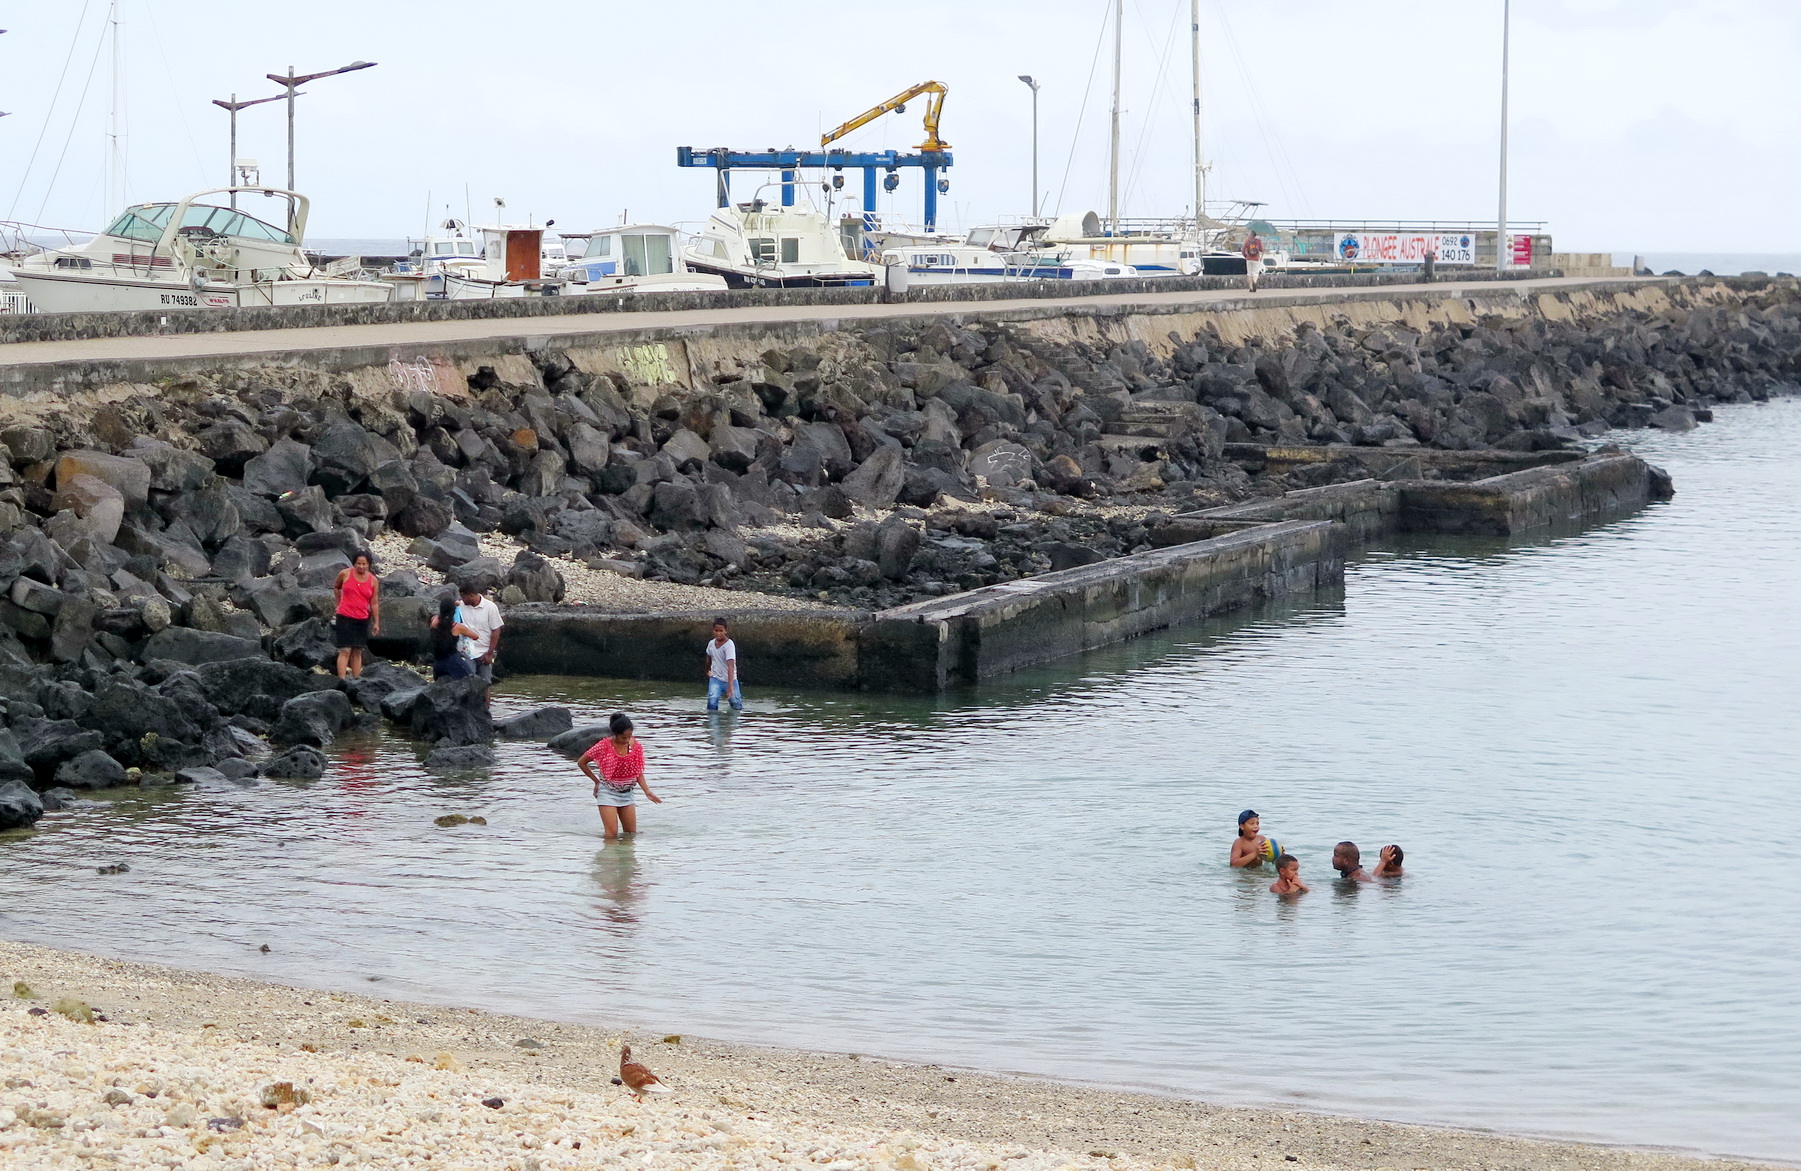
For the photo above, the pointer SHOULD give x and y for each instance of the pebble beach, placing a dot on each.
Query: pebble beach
(106, 1063)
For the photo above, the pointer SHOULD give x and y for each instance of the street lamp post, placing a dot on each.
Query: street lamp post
(1501, 257)
(293, 82)
(233, 106)
(1033, 82)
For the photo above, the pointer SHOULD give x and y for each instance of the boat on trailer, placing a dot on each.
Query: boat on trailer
(190, 255)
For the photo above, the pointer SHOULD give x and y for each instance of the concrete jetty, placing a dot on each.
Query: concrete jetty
(1282, 547)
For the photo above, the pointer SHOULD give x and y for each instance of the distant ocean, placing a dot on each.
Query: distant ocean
(1718, 263)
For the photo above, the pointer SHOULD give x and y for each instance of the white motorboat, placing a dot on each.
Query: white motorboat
(761, 245)
(989, 255)
(189, 255)
(636, 258)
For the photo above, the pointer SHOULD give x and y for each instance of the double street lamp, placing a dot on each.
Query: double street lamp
(291, 83)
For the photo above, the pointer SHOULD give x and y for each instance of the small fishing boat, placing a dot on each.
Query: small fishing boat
(190, 255)
(635, 258)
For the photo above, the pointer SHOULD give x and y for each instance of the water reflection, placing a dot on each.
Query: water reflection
(618, 874)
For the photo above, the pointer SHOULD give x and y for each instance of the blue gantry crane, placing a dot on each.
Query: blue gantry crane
(933, 155)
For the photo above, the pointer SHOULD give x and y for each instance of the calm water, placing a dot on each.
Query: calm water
(1588, 747)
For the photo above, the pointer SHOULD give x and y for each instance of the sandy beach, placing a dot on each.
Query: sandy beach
(186, 1069)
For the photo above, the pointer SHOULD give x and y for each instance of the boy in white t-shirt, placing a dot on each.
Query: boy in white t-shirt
(722, 668)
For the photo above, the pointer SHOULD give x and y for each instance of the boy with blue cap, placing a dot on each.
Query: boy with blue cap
(1249, 847)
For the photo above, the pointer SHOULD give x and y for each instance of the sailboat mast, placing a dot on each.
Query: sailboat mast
(1119, 13)
(1200, 163)
(115, 161)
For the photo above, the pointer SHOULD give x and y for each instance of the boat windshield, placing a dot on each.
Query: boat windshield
(647, 255)
(147, 221)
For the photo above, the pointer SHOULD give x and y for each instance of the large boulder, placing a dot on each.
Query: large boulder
(483, 574)
(312, 643)
(395, 483)
(229, 443)
(174, 470)
(302, 762)
(19, 806)
(306, 510)
(536, 579)
(345, 454)
(878, 479)
(315, 718)
(125, 711)
(541, 724)
(896, 544)
(285, 467)
(47, 743)
(13, 766)
(129, 476)
(182, 645)
(93, 769)
(459, 756)
(454, 710)
(73, 630)
(578, 740)
(398, 704)
(1002, 463)
(99, 505)
(589, 449)
(422, 516)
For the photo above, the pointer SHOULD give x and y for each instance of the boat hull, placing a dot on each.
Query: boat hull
(736, 279)
(58, 293)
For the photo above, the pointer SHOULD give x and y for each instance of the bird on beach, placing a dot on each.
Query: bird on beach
(637, 1078)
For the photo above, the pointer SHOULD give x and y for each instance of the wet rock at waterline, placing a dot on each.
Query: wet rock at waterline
(19, 806)
(546, 723)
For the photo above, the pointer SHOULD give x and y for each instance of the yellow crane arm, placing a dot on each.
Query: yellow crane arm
(934, 108)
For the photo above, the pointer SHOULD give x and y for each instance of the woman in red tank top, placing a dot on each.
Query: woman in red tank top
(359, 614)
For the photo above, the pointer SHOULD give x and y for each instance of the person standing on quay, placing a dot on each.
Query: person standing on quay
(358, 615)
(1253, 260)
(620, 761)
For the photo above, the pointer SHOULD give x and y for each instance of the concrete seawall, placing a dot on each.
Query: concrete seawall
(1246, 553)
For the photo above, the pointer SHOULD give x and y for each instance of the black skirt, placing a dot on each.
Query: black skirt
(352, 632)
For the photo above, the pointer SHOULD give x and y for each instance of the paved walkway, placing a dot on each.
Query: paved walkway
(289, 341)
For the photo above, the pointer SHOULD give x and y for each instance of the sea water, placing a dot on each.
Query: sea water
(1587, 746)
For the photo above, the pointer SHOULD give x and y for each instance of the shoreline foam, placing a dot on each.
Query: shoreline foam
(402, 1084)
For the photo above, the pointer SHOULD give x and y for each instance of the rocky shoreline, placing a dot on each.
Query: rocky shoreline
(186, 1069)
(167, 552)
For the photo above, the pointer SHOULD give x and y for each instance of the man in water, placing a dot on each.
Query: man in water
(1288, 877)
(722, 669)
(1247, 848)
(1347, 859)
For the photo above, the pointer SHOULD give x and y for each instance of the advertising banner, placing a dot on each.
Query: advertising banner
(1520, 251)
(1405, 247)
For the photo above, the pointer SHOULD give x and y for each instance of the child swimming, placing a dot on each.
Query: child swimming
(1288, 877)
(1388, 863)
(1247, 848)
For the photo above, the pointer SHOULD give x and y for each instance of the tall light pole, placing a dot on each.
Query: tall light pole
(1029, 80)
(233, 106)
(293, 82)
(1119, 17)
(1501, 257)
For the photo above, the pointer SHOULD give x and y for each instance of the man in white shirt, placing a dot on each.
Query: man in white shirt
(722, 668)
(482, 616)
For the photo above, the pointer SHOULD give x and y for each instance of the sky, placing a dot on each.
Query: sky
(1649, 125)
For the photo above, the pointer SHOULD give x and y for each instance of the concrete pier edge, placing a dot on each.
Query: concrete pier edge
(1288, 546)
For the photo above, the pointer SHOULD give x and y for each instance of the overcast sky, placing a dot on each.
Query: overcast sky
(1637, 124)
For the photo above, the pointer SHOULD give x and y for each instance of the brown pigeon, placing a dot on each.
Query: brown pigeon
(639, 1080)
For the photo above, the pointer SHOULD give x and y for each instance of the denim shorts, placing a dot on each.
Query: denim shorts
(616, 798)
(716, 691)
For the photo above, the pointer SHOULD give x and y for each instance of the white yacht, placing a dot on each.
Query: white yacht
(989, 255)
(189, 255)
(511, 265)
(635, 258)
(760, 245)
